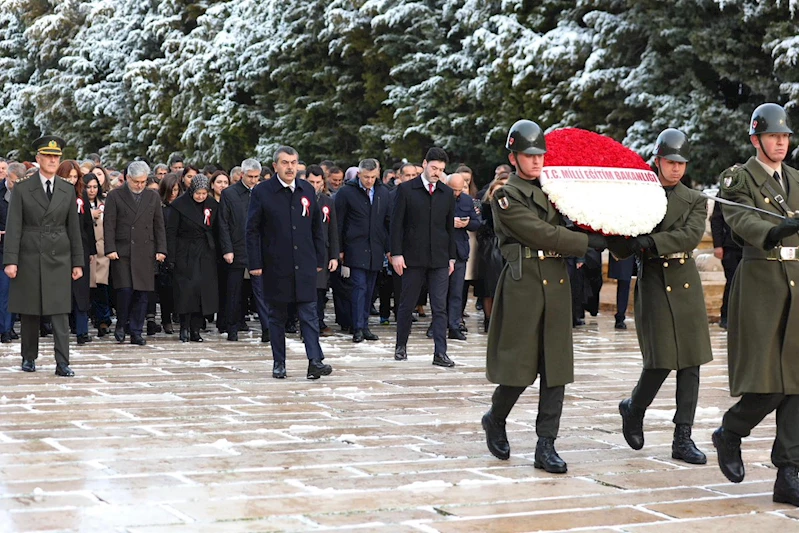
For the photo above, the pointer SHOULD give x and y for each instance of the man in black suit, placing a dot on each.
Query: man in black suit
(286, 246)
(134, 231)
(423, 249)
(316, 177)
(232, 240)
(362, 207)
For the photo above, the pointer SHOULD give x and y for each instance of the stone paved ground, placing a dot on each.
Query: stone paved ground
(176, 437)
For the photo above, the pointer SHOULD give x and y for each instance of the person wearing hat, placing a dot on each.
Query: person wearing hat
(670, 313)
(43, 253)
(133, 227)
(192, 248)
(763, 315)
(530, 333)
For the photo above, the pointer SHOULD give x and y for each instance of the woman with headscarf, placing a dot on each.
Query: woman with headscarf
(190, 234)
(81, 298)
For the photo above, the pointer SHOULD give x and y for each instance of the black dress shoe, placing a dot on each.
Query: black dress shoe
(14, 334)
(496, 437)
(456, 335)
(728, 448)
(119, 334)
(279, 370)
(442, 359)
(265, 336)
(786, 488)
(83, 338)
(167, 328)
(400, 353)
(243, 327)
(102, 330)
(620, 324)
(291, 328)
(194, 336)
(684, 448)
(578, 322)
(138, 340)
(632, 424)
(486, 323)
(63, 370)
(369, 336)
(357, 336)
(317, 369)
(184, 335)
(373, 311)
(5, 338)
(28, 365)
(546, 458)
(429, 331)
(152, 328)
(462, 327)
(232, 335)
(723, 323)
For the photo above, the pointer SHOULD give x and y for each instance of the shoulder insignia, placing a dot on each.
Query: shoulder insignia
(64, 179)
(502, 199)
(23, 178)
(733, 179)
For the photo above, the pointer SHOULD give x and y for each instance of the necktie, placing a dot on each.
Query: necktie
(779, 180)
(49, 191)
(431, 188)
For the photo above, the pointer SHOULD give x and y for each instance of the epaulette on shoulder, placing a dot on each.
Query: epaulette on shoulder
(23, 178)
(733, 179)
(64, 179)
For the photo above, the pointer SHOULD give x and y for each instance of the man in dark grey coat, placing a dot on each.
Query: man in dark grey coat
(42, 250)
(134, 232)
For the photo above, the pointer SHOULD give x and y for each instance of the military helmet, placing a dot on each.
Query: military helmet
(527, 137)
(769, 118)
(672, 144)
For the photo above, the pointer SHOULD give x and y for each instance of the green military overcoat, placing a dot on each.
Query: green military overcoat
(531, 316)
(43, 239)
(763, 317)
(670, 313)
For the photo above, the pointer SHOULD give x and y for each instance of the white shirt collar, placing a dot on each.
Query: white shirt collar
(768, 169)
(284, 184)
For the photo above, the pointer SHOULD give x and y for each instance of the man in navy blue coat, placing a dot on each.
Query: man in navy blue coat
(423, 249)
(466, 219)
(286, 246)
(362, 208)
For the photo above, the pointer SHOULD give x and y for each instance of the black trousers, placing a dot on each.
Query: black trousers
(752, 408)
(385, 290)
(166, 298)
(131, 310)
(732, 256)
(342, 303)
(622, 299)
(687, 391)
(438, 283)
(234, 285)
(29, 332)
(550, 404)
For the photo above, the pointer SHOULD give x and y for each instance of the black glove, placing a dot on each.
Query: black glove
(597, 241)
(620, 246)
(643, 244)
(786, 228)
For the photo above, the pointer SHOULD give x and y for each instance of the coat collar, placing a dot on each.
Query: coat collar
(679, 200)
(61, 189)
(528, 189)
(38, 192)
(763, 178)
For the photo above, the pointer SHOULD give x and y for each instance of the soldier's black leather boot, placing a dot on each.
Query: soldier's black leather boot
(496, 437)
(786, 488)
(547, 458)
(684, 449)
(632, 424)
(728, 447)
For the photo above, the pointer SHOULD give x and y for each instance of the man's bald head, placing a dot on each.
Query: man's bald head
(456, 183)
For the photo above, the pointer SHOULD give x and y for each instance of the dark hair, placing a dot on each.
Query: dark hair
(168, 183)
(288, 150)
(175, 158)
(316, 170)
(68, 166)
(87, 179)
(326, 163)
(335, 169)
(399, 171)
(464, 169)
(436, 154)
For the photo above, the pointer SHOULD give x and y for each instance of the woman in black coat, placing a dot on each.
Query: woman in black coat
(491, 261)
(169, 190)
(190, 235)
(81, 293)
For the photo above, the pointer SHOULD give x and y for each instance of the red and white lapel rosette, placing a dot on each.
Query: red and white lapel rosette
(306, 204)
(325, 214)
(80, 206)
(207, 217)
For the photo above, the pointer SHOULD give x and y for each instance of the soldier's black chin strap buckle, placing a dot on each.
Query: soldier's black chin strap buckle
(763, 149)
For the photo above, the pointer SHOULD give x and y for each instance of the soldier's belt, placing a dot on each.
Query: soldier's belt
(44, 229)
(528, 253)
(780, 253)
(676, 255)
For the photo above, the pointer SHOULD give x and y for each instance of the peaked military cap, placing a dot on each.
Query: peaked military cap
(49, 145)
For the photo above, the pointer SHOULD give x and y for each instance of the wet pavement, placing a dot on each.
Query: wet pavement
(175, 437)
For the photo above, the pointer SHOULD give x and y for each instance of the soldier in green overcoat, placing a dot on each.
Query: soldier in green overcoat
(43, 253)
(670, 313)
(763, 318)
(530, 331)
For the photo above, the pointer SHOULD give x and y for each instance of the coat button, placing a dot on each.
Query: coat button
(293, 227)
(682, 261)
(687, 286)
(561, 282)
(668, 288)
(296, 267)
(295, 247)
(546, 282)
(665, 264)
(793, 284)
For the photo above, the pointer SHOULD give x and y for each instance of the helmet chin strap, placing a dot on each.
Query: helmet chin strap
(765, 153)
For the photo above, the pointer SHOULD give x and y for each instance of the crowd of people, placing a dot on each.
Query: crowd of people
(174, 259)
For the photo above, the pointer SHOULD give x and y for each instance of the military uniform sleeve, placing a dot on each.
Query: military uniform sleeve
(745, 223)
(514, 218)
(686, 237)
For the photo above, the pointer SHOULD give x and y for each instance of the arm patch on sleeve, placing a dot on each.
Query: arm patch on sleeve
(733, 179)
(502, 199)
